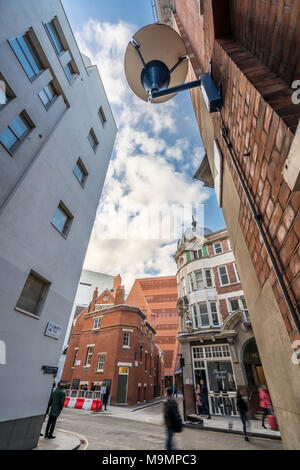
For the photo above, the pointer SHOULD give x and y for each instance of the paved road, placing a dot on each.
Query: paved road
(126, 430)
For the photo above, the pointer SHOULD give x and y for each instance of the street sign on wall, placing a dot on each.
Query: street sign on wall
(53, 330)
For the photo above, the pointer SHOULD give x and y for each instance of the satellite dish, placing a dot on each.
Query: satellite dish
(155, 59)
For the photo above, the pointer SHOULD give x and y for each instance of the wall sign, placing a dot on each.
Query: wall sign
(49, 369)
(53, 330)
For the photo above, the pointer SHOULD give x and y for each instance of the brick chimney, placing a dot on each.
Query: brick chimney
(119, 295)
(95, 295)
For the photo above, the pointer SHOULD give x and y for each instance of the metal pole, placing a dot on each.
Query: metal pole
(175, 89)
(257, 218)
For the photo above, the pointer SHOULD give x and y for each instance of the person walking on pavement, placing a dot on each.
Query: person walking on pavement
(105, 398)
(56, 403)
(204, 398)
(172, 418)
(264, 403)
(198, 400)
(243, 410)
(175, 390)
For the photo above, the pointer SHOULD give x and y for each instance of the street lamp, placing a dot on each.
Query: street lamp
(156, 66)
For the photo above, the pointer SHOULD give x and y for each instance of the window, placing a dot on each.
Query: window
(102, 116)
(208, 278)
(33, 294)
(223, 276)
(229, 244)
(191, 282)
(183, 287)
(236, 272)
(80, 172)
(89, 355)
(101, 359)
(204, 317)
(239, 303)
(245, 309)
(15, 132)
(26, 54)
(54, 37)
(218, 248)
(146, 361)
(6, 93)
(75, 357)
(97, 323)
(62, 219)
(70, 70)
(195, 316)
(47, 95)
(93, 140)
(126, 340)
(214, 313)
(234, 305)
(199, 280)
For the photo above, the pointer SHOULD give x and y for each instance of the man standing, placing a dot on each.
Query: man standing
(172, 418)
(56, 403)
(204, 398)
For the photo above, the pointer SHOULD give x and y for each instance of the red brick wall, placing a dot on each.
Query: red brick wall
(255, 65)
(109, 340)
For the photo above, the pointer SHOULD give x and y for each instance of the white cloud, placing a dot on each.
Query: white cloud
(150, 164)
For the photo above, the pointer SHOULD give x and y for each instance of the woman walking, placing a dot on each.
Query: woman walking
(198, 400)
(265, 403)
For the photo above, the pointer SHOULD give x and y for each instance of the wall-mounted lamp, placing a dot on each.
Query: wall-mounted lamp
(156, 66)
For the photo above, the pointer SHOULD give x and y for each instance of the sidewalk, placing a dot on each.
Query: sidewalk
(221, 424)
(65, 440)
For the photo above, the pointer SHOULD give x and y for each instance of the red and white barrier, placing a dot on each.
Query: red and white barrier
(83, 403)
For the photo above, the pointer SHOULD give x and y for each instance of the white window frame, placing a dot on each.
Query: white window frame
(101, 355)
(221, 284)
(211, 277)
(89, 355)
(75, 357)
(98, 319)
(215, 250)
(191, 282)
(236, 272)
(201, 281)
(126, 346)
(214, 313)
(195, 317)
(242, 307)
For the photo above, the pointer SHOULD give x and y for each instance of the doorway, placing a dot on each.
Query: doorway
(122, 385)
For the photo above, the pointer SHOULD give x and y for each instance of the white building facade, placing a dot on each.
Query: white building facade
(56, 137)
(215, 332)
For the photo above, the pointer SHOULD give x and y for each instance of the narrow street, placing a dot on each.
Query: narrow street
(143, 430)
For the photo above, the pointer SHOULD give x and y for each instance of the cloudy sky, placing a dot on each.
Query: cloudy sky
(149, 189)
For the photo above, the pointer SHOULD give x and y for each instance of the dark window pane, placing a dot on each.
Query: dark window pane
(55, 38)
(31, 294)
(3, 94)
(30, 54)
(78, 172)
(18, 126)
(220, 376)
(21, 56)
(60, 219)
(7, 138)
(234, 305)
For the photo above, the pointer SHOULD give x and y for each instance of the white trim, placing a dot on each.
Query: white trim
(214, 245)
(125, 329)
(223, 266)
(236, 272)
(124, 364)
(89, 345)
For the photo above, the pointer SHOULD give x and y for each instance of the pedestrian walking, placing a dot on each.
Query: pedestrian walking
(175, 390)
(105, 398)
(56, 404)
(264, 403)
(243, 410)
(172, 419)
(204, 398)
(198, 400)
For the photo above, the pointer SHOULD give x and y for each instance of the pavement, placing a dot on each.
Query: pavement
(234, 426)
(64, 440)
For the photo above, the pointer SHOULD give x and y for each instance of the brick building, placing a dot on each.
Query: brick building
(157, 298)
(254, 51)
(112, 343)
(215, 331)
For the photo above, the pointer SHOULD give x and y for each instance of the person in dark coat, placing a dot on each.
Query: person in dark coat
(171, 418)
(105, 399)
(56, 404)
(204, 398)
(243, 410)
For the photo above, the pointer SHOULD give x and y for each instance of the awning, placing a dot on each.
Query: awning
(204, 174)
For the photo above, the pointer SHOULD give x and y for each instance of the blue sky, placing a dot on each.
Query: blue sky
(157, 150)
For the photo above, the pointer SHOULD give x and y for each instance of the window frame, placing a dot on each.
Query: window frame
(98, 360)
(50, 34)
(83, 170)
(96, 142)
(126, 346)
(29, 127)
(102, 116)
(98, 323)
(7, 91)
(237, 277)
(42, 299)
(32, 49)
(221, 284)
(89, 355)
(54, 97)
(67, 226)
(215, 250)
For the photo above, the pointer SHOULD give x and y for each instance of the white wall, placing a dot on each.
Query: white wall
(27, 238)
